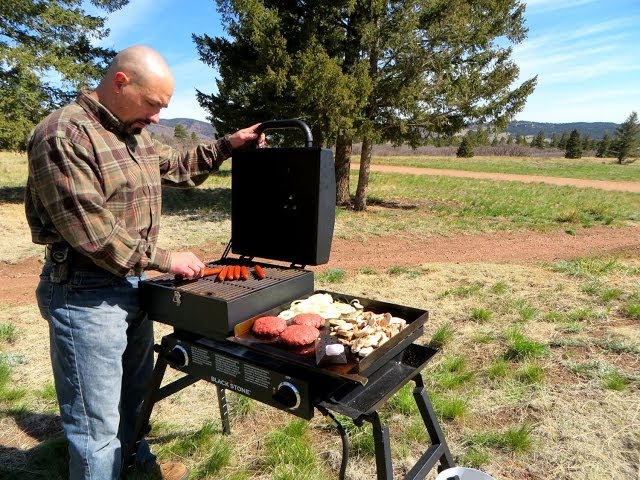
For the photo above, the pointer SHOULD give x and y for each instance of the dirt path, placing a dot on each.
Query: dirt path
(380, 253)
(571, 182)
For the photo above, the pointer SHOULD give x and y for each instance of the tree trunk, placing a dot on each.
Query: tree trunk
(343, 167)
(363, 177)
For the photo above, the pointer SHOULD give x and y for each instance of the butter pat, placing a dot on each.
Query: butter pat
(334, 349)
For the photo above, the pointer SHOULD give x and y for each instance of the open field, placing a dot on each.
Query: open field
(538, 374)
(586, 167)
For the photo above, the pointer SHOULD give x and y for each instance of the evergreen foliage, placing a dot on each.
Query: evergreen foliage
(564, 138)
(627, 140)
(180, 132)
(367, 70)
(574, 147)
(538, 141)
(465, 150)
(603, 149)
(45, 57)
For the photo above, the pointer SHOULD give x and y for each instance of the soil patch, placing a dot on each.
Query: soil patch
(394, 251)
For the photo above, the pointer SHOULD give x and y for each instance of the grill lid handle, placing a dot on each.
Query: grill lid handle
(292, 123)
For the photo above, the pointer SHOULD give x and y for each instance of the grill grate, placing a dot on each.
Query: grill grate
(229, 289)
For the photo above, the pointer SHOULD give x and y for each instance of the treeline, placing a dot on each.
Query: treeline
(624, 145)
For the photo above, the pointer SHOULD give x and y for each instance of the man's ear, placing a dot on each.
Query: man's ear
(120, 79)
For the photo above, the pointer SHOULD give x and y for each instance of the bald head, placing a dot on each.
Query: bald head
(138, 83)
(143, 64)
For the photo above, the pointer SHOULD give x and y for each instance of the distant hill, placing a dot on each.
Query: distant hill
(166, 127)
(593, 129)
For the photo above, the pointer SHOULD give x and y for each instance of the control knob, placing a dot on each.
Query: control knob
(177, 357)
(287, 395)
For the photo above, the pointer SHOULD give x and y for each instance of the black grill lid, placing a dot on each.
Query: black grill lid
(283, 201)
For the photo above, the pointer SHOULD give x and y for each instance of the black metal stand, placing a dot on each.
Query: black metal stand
(437, 451)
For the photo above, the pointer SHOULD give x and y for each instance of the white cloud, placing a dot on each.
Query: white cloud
(132, 19)
(544, 6)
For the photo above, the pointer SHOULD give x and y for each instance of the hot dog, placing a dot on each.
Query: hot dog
(236, 272)
(259, 271)
(204, 273)
(244, 273)
(223, 274)
(211, 271)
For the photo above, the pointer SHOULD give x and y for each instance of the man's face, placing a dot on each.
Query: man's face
(139, 105)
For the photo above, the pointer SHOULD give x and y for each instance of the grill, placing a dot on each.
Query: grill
(212, 338)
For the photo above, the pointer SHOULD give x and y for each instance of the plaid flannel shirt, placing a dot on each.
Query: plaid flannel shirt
(97, 186)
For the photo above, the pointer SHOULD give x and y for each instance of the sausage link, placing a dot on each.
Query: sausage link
(222, 276)
(259, 271)
(244, 273)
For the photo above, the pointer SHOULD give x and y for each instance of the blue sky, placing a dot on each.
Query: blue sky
(586, 54)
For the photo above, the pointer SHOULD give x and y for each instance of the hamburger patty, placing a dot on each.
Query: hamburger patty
(312, 319)
(296, 335)
(269, 326)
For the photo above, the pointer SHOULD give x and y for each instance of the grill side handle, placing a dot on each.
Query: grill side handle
(290, 123)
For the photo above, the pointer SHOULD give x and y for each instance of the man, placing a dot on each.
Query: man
(93, 198)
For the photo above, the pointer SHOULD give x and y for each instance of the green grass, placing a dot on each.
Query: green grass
(403, 401)
(520, 347)
(615, 381)
(449, 407)
(332, 275)
(499, 288)
(632, 310)
(449, 204)
(585, 267)
(530, 373)
(453, 372)
(8, 333)
(464, 291)
(189, 444)
(499, 368)
(480, 314)
(516, 439)
(49, 460)
(442, 336)
(289, 454)
(597, 169)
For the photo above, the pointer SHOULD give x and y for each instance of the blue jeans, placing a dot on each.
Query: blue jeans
(102, 357)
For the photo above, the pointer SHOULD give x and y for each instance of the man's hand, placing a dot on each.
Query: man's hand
(246, 136)
(186, 264)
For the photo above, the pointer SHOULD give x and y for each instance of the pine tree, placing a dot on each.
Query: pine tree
(562, 143)
(538, 141)
(465, 150)
(604, 147)
(180, 132)
(367, 69)
(574, 147)
(627, 140)
(38, 41)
